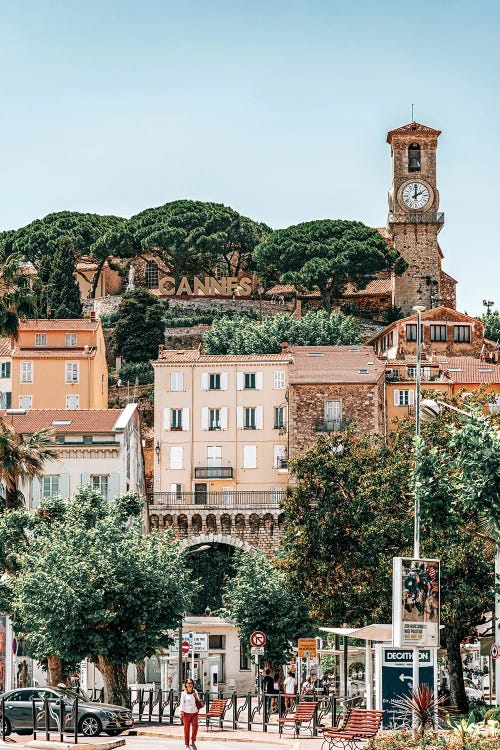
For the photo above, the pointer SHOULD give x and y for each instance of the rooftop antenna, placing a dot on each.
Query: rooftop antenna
(412, 118)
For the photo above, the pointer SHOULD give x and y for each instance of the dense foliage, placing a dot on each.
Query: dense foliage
(345, 524)
(56, 291)
(140, 328)
(242, 336)
(22, 458)
(210, 570)
(16, 298)
(90, 585)
(259, 598)
(140, 372)
(191, 237)
(491, 325)
(176, 317)
(325, 255)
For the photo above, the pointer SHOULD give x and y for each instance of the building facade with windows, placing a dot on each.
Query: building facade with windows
(59, 364)
(96, 447)
(333, 388)
(221, 445)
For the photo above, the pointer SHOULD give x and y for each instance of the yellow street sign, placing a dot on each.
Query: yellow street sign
(307, 647)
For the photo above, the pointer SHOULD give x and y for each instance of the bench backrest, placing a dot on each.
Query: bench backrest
(305, 710)
(363, 720)
(217, 707)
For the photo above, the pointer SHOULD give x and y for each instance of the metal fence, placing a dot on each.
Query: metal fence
(51, 714)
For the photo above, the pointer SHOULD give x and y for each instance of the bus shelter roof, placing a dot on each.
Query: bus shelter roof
(375, 632)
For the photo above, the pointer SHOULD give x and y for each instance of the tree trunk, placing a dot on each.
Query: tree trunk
(115, 681)
(54, 671)
(95, 278)
(141, 672)
(326, 297)
(458, 696)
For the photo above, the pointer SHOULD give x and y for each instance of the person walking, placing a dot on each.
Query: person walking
(189, 707)
(290, 689)
(267, 689)
(308, 689)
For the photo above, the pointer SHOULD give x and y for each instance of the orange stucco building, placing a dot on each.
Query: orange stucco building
(60, 364)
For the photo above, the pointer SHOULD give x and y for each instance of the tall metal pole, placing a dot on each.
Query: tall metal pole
(416, 521)
(179, 680)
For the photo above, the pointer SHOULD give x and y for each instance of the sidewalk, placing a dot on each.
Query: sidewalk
(175, 731)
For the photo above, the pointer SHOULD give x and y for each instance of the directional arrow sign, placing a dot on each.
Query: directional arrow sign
(406, 678)
(258, 639)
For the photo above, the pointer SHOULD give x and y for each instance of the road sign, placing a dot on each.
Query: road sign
(396, 679)
(196, 641)
(495, 650)
(185, 647)
(258, 639)
(257, 651)
(307, 647)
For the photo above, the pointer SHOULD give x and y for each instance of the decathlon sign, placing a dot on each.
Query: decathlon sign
(394, 679)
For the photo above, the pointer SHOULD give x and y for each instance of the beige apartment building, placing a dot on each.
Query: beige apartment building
(220, 425)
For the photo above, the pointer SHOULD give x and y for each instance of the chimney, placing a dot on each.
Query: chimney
(284, 347)
(92, 315)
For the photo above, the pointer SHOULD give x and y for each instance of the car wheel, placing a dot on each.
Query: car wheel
(113, 732)
(7, 729)
(90, 726)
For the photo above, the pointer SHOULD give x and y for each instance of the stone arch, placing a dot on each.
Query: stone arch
(196, 524)
(154, 521)
(168, 521)
(268, 522)
(225, 523)
(239, 523)
(254, 522)
(211, 523)
(182, 524)
(231, 541)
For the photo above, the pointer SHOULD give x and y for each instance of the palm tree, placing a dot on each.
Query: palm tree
(21, 458)
(15, 292)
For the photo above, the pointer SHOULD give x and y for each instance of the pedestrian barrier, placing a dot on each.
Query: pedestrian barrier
(248, 711)
(51, 713)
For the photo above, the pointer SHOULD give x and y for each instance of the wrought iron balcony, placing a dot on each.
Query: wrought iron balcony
(225, 499)
(213, 472)
(332, 425)
(423, 217)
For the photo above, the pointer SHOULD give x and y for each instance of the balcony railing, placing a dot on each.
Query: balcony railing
(331, 425)
(225, 499)
(213, 472)
(424, 217)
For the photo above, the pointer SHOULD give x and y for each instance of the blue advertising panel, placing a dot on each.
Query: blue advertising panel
(397, 680)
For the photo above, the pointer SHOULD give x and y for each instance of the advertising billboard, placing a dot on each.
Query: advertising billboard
(415, 602)
(394, 679)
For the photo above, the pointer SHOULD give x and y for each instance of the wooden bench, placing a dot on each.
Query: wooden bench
(361, 724)
(302, 718)
(216, 711)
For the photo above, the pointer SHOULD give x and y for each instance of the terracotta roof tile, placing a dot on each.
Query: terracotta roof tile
(81, 420)
(5, 347)
(194, 356)
(335, 364)
(68, 352)
(59, 324)
(469, 370)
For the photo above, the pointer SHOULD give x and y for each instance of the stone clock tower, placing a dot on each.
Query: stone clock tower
(414, 220)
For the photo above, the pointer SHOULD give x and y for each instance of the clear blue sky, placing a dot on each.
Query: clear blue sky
(278, 108)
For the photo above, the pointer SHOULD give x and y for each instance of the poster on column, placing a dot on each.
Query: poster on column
(415, 602)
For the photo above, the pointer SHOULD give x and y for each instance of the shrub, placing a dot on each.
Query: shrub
(108, 320)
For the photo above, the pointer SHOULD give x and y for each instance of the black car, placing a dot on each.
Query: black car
(93, 718)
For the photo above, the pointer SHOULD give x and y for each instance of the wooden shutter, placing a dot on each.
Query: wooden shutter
(259, 417)
(64, 485)
(166, 418)
(223, 418)
(85, 480)
(223, 381)
(249, 456)
(411, 397)
(396, 397)
(239, 417)
(35, 492)
(204, 417)
(204, 381)
(113, 486)
(185, 419)
(240, 380)
(259, 381)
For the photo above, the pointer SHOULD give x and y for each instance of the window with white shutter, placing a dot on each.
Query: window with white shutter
(239, 417)
(204, 417)
(72, 372)
(176, 456)
(223, 418)
(214, 456)
(41, 340)
(259, 380)
(279, 380)
(259, 417)
(176, 381)
(185, 419)
(279, 456)
(166, 418)
(26, 372)
(240, 381)
(404, 397)
(204, 381)
(223, 381)
(249, 456)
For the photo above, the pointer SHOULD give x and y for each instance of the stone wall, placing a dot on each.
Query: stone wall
(260, 529)
(361, 403)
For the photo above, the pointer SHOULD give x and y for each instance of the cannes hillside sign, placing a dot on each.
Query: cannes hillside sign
(208, 286)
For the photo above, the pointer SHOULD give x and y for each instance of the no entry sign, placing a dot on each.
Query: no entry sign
(258, 639)
(185, 647)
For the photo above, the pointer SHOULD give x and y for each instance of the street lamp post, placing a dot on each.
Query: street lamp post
(416, 511)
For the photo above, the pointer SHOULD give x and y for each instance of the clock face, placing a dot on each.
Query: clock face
(415, 195)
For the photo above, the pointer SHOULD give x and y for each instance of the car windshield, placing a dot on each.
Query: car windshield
(72, 694)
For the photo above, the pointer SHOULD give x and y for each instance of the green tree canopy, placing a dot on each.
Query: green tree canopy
(191, 237)
(15, 298)
(140, 328)
(491, 325)
(317, 328)
(325, 255)
(92, 586)
(56, 292)
(259, 598)
(21, 458)
(70, 233)
(345, 524)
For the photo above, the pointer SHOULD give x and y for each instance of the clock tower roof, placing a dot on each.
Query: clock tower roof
(415, 128)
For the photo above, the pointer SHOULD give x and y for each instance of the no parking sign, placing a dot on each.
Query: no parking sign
(495, 651)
